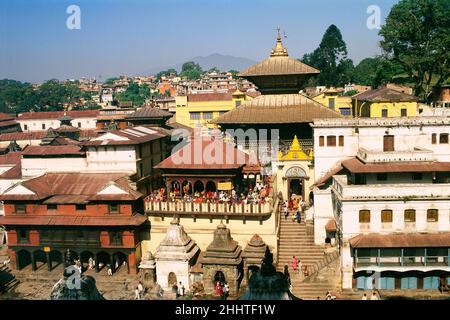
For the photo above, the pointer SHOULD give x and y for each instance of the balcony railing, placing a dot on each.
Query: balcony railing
(208, 209)
(405, 261)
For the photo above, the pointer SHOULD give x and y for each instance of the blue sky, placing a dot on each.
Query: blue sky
(131, 36)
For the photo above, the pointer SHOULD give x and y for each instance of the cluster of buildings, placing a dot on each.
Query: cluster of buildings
(374, 168)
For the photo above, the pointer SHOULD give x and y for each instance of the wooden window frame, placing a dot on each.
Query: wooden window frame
(52, 207)
(387, 216)
(443, 138)
(363, 214)
(433, 138)
(331, 141)
(80, 207)
(321, 141)
(110, 205)
(430, 215)
(341, 141)
(409, 215)
(116, 238)
(16, 206)
(21, 239)
(403, 112)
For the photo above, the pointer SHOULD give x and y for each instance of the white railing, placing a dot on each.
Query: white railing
(390, 156)
(214, 208)
(401, 191)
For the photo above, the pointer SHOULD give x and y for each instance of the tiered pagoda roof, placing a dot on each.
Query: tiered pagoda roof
(223, 250)
(177, 245)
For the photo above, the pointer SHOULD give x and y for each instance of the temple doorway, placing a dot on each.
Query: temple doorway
(295, 187)
(219, 276)
(171, 279)
(296, 182)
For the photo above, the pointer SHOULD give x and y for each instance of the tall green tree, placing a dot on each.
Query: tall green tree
(165, 73)
(331, 59)
(417, 36)
(191, 70)
(135, 93)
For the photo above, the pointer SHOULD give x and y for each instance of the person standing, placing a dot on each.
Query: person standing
(374, 296)
(298, 216)
(110, 273)
(140, 288)
(226, 290)
(136, 294)
(294, 263)
(364, 297)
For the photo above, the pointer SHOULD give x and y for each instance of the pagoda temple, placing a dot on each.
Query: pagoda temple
(280, 106)
(174, 256)
(222, 261)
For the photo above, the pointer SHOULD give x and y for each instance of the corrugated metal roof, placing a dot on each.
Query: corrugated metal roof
(69, 149)
(278, 65)
(403, 240)
(58, 114)
(148, 112)
(216, 96)
(384, 95)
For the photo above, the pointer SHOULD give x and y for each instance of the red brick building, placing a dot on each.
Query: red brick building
(92, 214)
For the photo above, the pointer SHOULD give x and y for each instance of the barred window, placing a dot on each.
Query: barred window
(386, 216)
(331, 141)
(410, 215)
(364, 216)
(432, 215)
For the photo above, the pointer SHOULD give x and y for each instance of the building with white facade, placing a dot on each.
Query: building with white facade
(38, 121)
(385, 183)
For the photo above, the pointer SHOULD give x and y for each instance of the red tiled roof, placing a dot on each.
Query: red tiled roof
(225, 96)
(12, 158)
(116, 220)
(4, 116)
(39, 135)
(69, 149)
(58, 114)
(75, 184)
(203, 153)
(354, 165)
(8, 123)
(403, 240)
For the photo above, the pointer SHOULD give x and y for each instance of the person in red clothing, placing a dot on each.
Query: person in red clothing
(294, 263)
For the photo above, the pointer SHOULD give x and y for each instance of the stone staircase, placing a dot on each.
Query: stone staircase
(295, 240)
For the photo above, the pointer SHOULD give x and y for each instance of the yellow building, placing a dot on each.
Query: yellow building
(193, 109)
(384, 103)
(333, 99)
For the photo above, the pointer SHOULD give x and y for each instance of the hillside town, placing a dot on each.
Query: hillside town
(173, 186)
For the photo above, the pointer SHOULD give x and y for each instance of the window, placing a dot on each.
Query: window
(20, 208)
(403, 112)
(79, 124)
(321, 141)
(417, 175)
(115, 238)
(382, 176)
(25, 127)
(195, 115)
(341, 141)
(388, 143)
(80, 207)
(384, 113)
(345, 111)
(207, 115)
(364, 216)
(331, 141)
(23, 236)
(237, 103)
(432, 215)
(433, 138)
(410, 215)
(52, 206)
(113, 208)
(386, 216)
(43, 126)
(331, 102)
(443, 138)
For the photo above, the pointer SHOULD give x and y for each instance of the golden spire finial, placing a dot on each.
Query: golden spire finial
(279, 50)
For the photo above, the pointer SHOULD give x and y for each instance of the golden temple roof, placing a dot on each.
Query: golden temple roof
(278, 63)
(295, 152)
(277, 108)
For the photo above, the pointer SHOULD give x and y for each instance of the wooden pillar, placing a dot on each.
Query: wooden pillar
(111, 262)
(97, 268)
(33, 262)
(49, 261)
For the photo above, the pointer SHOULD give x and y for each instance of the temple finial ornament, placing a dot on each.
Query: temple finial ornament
(279, 50)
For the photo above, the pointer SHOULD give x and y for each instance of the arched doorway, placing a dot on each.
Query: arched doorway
(219, 276)
(186, 188)
(120, 260)
(84, 258)
(103, 259)
(40, 258)
(171, 279)
(56, 258)
(210, 186)
(296, 182)
(198, 186)
(23, 259)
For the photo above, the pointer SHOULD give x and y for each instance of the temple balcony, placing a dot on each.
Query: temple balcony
(401, 191)
(418, 154)
(260, 211)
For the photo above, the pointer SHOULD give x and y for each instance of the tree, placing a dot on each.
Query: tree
(191, 70)
(416, 35)
(110, 81)
(165, 73)
(135, 93)
(331, 59)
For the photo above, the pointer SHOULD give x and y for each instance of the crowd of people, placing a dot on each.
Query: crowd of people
(256, 195)
(296, 206)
